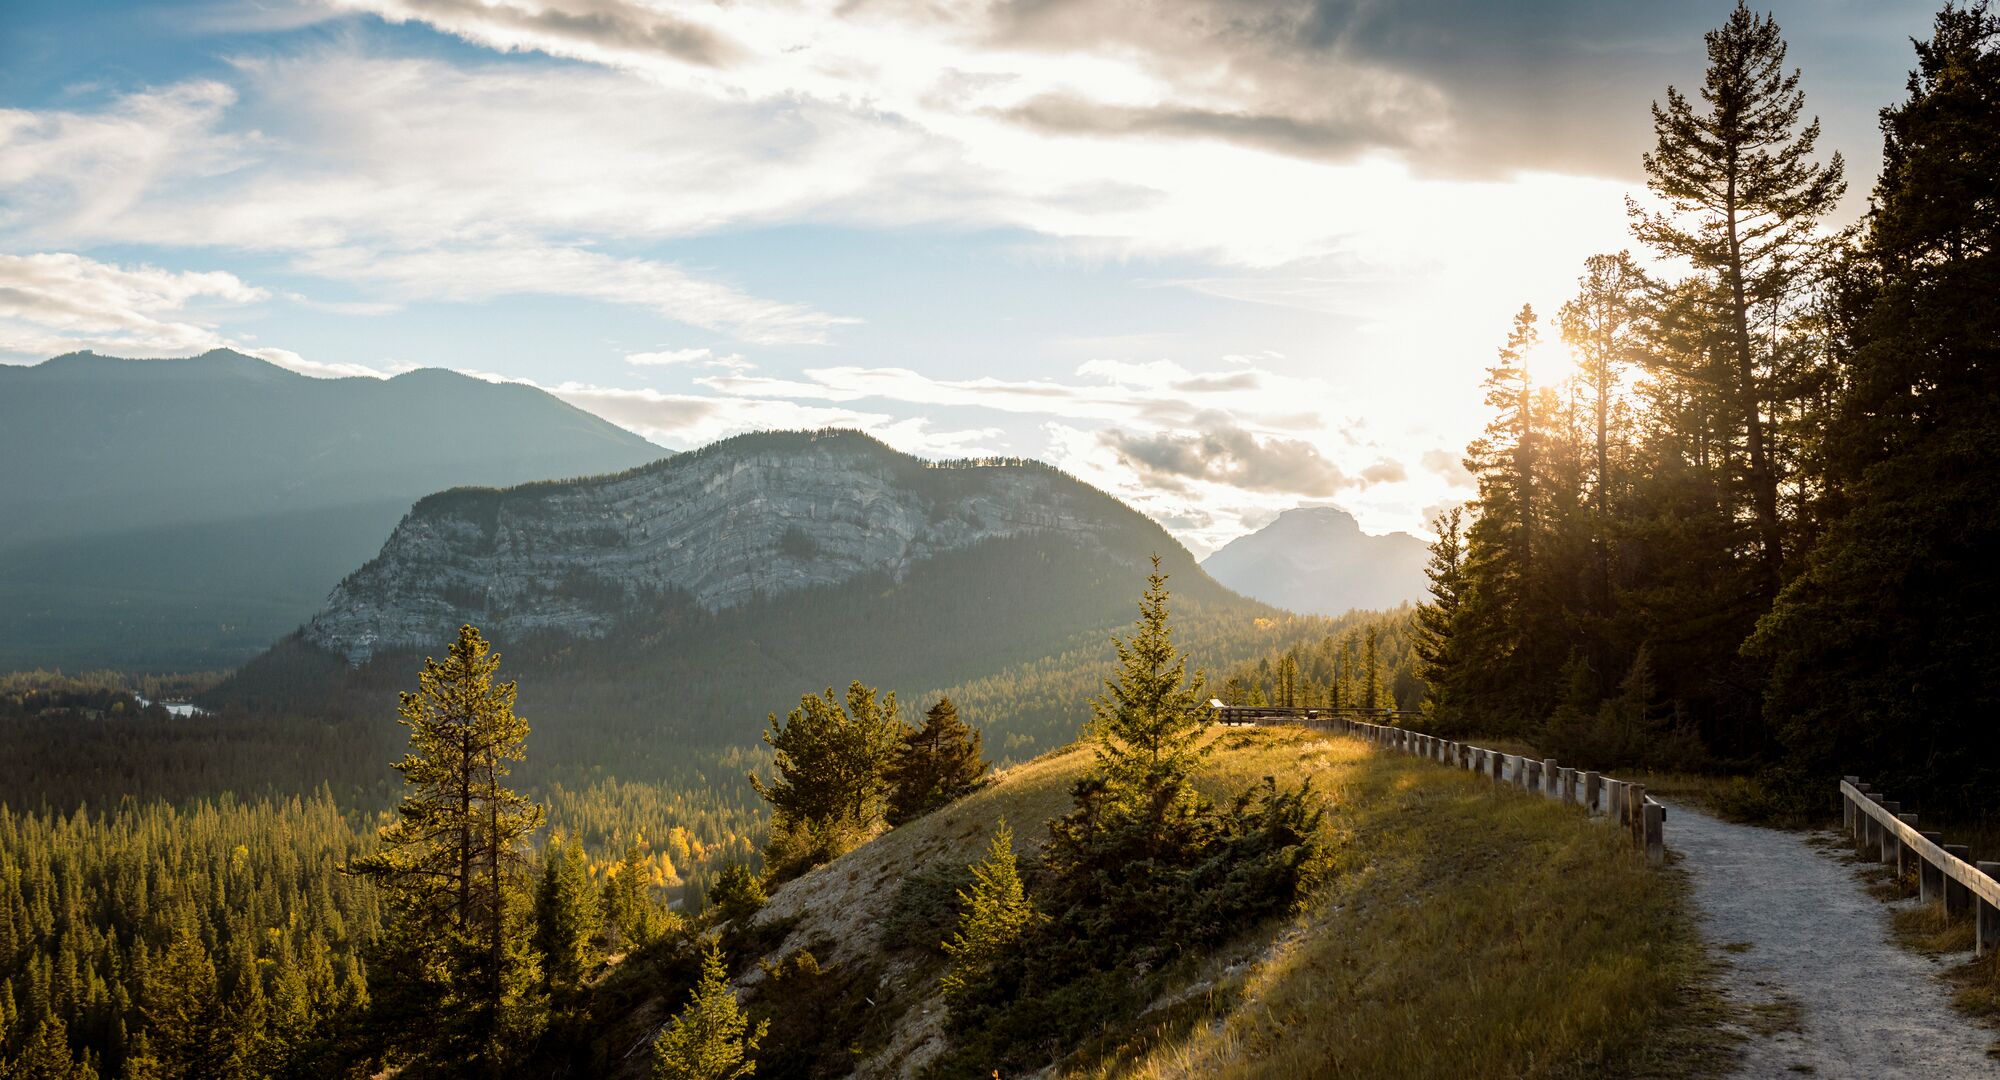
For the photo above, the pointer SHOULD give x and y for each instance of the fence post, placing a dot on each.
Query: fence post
(1888, 836)
(1870, 842)
(1592, 784)
(1930, 879)
(1986, 932)
(1903, 853)
(1656, 833)
(1847, 806)
(1957, 898)
(1614, 800)
(1635, 798)
(1549, 770)
(1532, 778)
(1566, 785)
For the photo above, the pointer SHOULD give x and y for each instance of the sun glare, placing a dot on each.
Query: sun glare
(1550, 362)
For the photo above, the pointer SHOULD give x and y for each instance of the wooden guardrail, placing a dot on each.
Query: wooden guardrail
(1643, 818)
(1883, 831)
(1264, 714)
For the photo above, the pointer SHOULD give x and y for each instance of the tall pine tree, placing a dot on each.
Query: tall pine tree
(458, 970)
(1745, 198)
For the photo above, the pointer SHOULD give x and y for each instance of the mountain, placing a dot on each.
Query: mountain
(185, 513)
(676, 604)
(1316, 560)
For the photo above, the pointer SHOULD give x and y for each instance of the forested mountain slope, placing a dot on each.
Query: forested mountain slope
(677, 604)
(185, 513)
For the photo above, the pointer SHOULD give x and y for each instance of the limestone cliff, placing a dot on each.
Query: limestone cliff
(752, 516)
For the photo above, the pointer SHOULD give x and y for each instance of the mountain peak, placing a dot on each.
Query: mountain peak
(1317, 516)
(750, 517)
(1316, 559)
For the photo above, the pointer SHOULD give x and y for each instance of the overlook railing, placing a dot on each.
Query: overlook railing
(1643, 818)
(1884, 832)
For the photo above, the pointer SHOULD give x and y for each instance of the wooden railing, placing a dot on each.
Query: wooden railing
(1265, 714)
(1944, 875)
(1643, 818)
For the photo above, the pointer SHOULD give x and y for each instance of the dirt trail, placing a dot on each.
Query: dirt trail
(1810, 956)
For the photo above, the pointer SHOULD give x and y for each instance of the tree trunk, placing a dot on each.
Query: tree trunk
(1763, 485)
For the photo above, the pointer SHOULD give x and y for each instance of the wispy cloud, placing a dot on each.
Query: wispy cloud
(57, 302)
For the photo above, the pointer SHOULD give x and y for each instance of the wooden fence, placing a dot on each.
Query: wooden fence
(1643, 818)
(1883, 831)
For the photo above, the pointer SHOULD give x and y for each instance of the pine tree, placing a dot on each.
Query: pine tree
(629, 906)
(569, 917)
(934, 764)
(1601, 327)
(1882, 649)
(452, 868)
(1434, 624)
(993, 914)
(831, 766)
(47, 1056)
(1746, 198)
(736, 894)
(830, 759)
(712, 1038)
(1150, 721)
(1502, 615)
(182, 1010)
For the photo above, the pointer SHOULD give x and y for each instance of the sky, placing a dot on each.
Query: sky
(1220, 258)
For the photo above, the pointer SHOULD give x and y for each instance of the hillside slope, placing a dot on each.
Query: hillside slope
(1543, 939)
(1317, 561)
(184, 513)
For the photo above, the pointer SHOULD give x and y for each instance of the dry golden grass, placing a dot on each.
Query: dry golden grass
(1466, 931)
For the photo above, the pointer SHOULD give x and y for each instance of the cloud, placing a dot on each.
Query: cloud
(1460, 85)
(472, 274)
(57, 302)
(590, 29)
(1232, 456)
(699, 357)
(1385, 472)
(1449, 466)
(418, 179)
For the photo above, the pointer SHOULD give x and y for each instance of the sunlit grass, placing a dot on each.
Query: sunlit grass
(1465, 931)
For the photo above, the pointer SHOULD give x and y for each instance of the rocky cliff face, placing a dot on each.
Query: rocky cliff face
(756, 515)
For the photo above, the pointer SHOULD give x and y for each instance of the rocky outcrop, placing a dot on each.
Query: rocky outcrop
(753, 516)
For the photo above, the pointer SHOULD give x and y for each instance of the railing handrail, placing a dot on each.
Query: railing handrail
(1950, 865)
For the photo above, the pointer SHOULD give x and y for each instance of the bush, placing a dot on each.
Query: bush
(926, 907)
(737, 894)
(1125, 897)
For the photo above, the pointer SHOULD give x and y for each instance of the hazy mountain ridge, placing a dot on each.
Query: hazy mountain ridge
(186, 512)
(755, 516)
(1316, 560)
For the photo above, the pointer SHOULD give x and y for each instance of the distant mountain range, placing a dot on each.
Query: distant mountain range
(181, 514)
(1317, 561)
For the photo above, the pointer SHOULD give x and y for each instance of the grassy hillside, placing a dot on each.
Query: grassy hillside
(1464, 931)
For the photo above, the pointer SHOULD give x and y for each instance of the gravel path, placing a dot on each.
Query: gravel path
(1810, 957)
